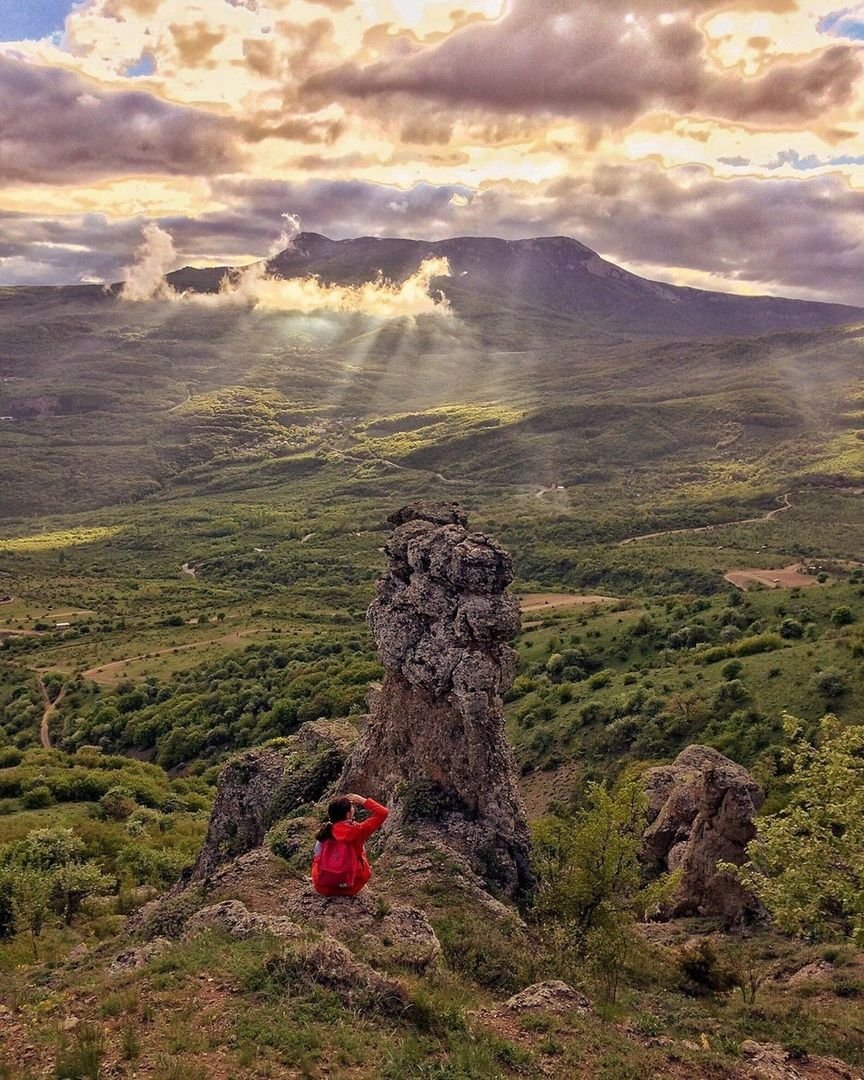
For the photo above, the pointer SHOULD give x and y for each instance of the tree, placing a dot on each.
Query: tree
(32, 890)
(830, 684)
(842, 616)
(806, 863)
(592, 883)
(791, 628)
(74, 882)
(589, 865)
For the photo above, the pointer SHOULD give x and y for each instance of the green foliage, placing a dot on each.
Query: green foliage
(831, 684)
(806, 863)
(589, 868)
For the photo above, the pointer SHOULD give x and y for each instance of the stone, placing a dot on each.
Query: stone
(132, 959)
(551, 996)
(769, 1062)
(237, 921)
(818, 971)
(388, 934)
(435, 738)
(700, 813)
(331, 964)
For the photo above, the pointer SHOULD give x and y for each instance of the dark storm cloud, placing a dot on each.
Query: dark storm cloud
(55, 127)
(792, 237)
(597, 61)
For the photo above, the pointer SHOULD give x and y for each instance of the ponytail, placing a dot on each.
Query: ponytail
(338, 810)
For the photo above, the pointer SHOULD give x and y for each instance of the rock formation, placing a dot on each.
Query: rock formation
(434, 748)
(700, 813)
(264, 784)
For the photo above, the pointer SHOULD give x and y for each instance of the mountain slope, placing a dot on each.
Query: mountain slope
(554, 274)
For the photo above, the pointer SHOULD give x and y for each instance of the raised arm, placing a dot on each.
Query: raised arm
(379, 816)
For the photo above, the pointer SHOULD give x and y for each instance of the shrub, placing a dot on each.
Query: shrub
(37, 798)
(830, 684)
(118, 803)
(732, 670)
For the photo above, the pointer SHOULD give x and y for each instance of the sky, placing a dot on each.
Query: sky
(714, 143)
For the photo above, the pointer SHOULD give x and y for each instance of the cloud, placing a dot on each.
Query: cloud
(796, 237)
(195, 43)
(56, 127)
(255, 287)
(602, 60)
(155, 257)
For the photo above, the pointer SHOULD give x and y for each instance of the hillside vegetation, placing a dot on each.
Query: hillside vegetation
(192, 511)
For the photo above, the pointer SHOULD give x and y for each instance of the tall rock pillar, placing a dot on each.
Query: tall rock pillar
(434, 747)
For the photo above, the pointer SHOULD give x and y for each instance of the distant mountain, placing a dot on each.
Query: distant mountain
(552, 275)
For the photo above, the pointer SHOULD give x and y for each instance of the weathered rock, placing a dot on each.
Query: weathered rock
(388, 934)
(767, 1062)
(818, 971)
(551, 996)
(329, 963)
(700, 813)
(434, 747)
(260, 786)
(131, 959)
(238, 922)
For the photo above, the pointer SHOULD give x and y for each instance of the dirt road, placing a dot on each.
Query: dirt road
(105, 674)
(50, 706)
(784, 499)
(538, 601)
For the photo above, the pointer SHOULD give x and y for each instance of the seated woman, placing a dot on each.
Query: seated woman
(339, 864)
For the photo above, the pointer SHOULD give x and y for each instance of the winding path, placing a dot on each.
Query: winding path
(105, 673)
(50, 706)
(785, 499)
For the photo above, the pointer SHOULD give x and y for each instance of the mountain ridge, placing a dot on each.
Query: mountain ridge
(556, 274)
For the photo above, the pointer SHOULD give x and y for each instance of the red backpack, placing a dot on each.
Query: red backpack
(337, 864)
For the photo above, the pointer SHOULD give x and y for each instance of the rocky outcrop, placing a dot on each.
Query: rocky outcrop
(434, 748)
(237, 921)
(262, 785)
(550, 996)
(387, 934)
(769, 1062)
(700, 813)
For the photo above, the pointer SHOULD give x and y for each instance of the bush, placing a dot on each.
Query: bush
(831, 684)
(37, 798)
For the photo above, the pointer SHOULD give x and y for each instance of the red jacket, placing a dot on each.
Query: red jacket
(356, 834)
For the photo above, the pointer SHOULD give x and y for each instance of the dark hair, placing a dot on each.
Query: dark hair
(338, 810)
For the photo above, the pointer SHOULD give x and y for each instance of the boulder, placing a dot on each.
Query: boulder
(550, 996)
(434, 747)
(700, 813)
(132, 959)
(769, 1062)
